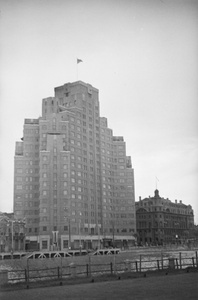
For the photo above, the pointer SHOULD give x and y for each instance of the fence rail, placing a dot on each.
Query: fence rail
(89, 269)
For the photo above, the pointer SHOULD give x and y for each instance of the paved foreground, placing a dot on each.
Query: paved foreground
(171, 287)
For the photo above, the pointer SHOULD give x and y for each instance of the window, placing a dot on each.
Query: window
(65, 242)
(19, 187)
(44, 244)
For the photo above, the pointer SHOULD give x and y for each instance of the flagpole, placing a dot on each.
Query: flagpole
(78, 61)
(77, 69)
(156, 180)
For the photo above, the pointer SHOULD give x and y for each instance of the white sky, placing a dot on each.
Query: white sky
(143, 58)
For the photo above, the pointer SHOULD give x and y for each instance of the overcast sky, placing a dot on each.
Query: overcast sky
(143, 58)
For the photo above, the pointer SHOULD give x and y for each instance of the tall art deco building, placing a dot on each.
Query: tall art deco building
(73, 182)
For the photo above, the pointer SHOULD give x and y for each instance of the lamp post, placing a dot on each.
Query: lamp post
(98, 237)
(79, 223)
(67, 217)
(113, 233)
(12, 237)
(69, 228)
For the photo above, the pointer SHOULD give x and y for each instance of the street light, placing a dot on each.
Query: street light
(67, 217)
(79, 223)
(99, 236)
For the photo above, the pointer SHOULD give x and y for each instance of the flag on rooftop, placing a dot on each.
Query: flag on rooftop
(79, 60)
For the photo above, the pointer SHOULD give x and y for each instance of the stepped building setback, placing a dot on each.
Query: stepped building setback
(73, 182)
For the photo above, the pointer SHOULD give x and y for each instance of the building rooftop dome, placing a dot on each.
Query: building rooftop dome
(157, 194)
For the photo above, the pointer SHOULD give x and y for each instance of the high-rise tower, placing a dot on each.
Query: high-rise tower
(73, 182)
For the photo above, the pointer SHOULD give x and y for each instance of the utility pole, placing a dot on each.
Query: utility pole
(80, 232)
(67, 218)
(12, 237)
(69, 228)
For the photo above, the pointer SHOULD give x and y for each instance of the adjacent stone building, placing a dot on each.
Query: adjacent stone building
(160, 221)
(12, 233)
(73, 182)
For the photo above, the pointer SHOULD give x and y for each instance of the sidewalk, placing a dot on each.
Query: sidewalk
(173, 286)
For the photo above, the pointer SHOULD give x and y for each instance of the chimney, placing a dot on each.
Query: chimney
(175, 201)
(180, 201)
(140, 198)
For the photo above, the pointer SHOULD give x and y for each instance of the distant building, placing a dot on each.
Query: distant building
(12, 233)
(160, 221)
(73, 182)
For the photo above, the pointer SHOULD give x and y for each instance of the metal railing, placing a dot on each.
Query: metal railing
(92, 268)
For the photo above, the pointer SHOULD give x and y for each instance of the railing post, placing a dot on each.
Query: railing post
(58, 272)
(89, 265)
(140, 263)
(162, 260)
(87, 269)
(28, 275)
(111, 267)
(158, 264)
(25, 276)
(114, 263)
(180, 260)
(193, 262)
(136, 266)
(61, 271)
(196, 258)
(177, 263)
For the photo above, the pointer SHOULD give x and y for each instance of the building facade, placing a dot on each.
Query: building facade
(73, 182)
(12, 233)
(160, 221)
